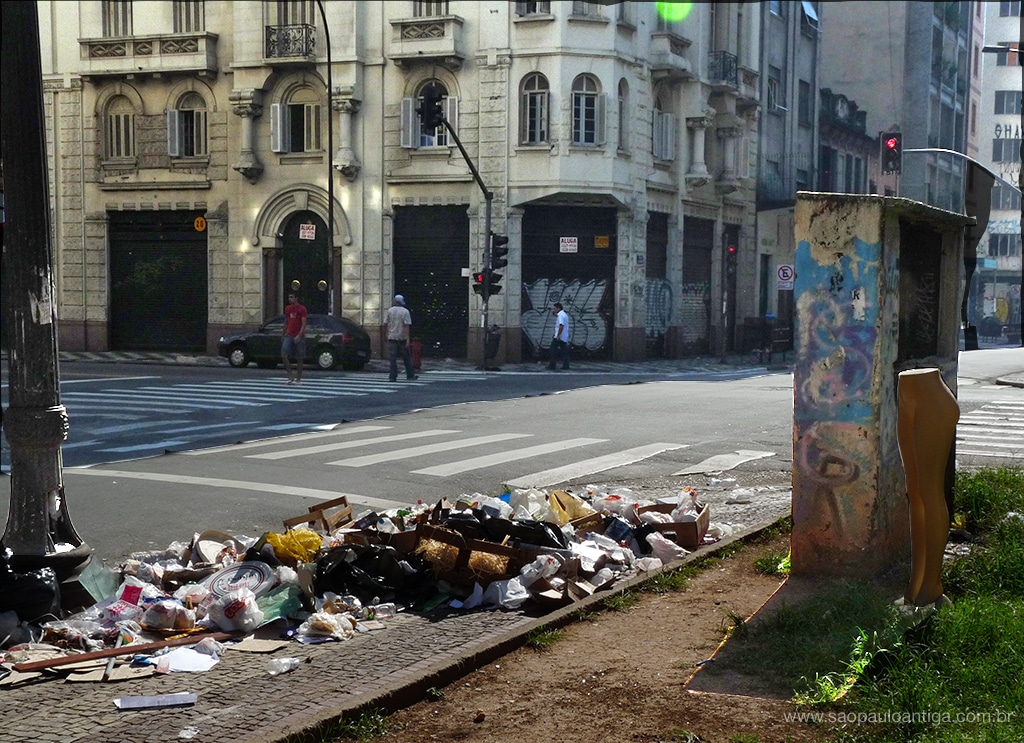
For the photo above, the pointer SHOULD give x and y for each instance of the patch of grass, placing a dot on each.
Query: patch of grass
(781, 527)
(434, 694)
(957, 678)
(773, 563)
(622, 601)
(368, 726)
(985, 496)
(744, 738)
(543, 639)
(668, 582)
(733, 624)
(584, 615)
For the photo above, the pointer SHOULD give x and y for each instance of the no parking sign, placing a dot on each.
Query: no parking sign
(786, 274)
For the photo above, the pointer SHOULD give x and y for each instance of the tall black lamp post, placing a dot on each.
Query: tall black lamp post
(39, 529)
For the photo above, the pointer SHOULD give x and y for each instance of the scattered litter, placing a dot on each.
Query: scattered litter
(176, 699)
(278, 666)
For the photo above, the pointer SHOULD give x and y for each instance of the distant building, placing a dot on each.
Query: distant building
(997, 282)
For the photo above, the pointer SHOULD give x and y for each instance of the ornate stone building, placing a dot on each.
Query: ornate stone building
(208, 156)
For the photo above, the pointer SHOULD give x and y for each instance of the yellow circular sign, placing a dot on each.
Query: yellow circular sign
(200, 224)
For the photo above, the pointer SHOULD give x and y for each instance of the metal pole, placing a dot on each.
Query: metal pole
(488, 198)
(35, 422)
(330, 171)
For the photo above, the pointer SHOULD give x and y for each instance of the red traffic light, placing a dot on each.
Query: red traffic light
(892, 143)
(732, 250)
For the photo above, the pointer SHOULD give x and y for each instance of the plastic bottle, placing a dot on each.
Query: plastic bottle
(382, 611)
(282, 665)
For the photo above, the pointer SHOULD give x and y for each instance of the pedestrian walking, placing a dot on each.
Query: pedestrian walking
(293, 340)
(560, 341)
(399, 322)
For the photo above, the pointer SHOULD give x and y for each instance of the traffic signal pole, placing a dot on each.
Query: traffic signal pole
(488, 198)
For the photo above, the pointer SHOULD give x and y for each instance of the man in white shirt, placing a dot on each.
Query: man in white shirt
(560, 341)
(399, 323)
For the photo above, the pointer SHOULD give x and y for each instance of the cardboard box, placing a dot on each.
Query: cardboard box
(687, 534)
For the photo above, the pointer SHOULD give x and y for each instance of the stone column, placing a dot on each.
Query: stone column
(249, 105)
(345, 159)
(698, 174)
(727, 182)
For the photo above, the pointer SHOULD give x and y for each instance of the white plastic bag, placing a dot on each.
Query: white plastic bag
(236, 611)
(508, 594)
(167, 614)
(663, 548)
(543, 567)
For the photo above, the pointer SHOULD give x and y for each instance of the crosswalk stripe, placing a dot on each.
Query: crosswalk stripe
(291, 439)
(721, 462)
(147, 399)
(298, 395)
(104, 403)
(512, 455)
(428, 449)
(1000, 455)
(591, 466)
(302, 387)
(262, 487)
(133, 426)
(349, 444)
(199, 395)
(145, 447)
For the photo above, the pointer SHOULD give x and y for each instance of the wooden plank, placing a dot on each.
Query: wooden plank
(65, 660)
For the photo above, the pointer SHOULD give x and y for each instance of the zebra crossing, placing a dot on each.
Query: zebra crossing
(449, 445)
(185, 398)
(993, 431)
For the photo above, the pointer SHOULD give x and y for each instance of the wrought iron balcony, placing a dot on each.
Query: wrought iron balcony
(722, 70)
(291, 43)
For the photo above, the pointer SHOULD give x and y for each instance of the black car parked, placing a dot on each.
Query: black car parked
(330, 341)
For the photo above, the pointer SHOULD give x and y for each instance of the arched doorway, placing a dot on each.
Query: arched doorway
(306, 265)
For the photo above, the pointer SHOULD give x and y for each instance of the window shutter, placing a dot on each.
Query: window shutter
(670, 136)
(278, 128)
(521, 9)
(173, 133)
(451, 113)
(410, 136)
(599, 123)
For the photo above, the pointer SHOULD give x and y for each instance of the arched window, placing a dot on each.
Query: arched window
(119, 129)
(587, 111)
(186, 127)
(413, 136)
(533, 111)
(295, 124)
(623, 115)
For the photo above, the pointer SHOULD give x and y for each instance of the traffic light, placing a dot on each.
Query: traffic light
(489, 279)
(479, 279)
(431, 111)
(499, 251)
(730, 258)
(892, 153)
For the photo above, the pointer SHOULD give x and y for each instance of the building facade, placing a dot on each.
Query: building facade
(997, 282)
(208, 157)
(908, 65)
(788, 152)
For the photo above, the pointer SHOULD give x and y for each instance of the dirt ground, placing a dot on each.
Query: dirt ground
(618, 676)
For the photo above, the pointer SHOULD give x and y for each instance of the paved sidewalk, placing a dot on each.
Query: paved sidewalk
(239, 701)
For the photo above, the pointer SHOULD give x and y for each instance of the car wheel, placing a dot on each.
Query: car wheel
(326, 358)
(238, 357)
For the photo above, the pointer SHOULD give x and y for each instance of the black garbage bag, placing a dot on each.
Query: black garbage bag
(527, 531)
(32, 595)
(368, 572)
(466, 523)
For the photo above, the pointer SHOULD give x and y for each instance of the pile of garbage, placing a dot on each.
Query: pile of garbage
(329, 575)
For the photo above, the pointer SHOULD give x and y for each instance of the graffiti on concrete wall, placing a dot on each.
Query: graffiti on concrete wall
(695, 312)
(588, 328)
(659, 307)
(837, 324)
(837, 327)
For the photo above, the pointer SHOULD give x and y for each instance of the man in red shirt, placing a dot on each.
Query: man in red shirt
(293, 341)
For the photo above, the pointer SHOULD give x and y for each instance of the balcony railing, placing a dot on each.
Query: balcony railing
(722, 69)
(284, 42)
(433, 40)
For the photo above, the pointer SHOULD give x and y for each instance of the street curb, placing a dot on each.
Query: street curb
(1011, 381)
(401, 694)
